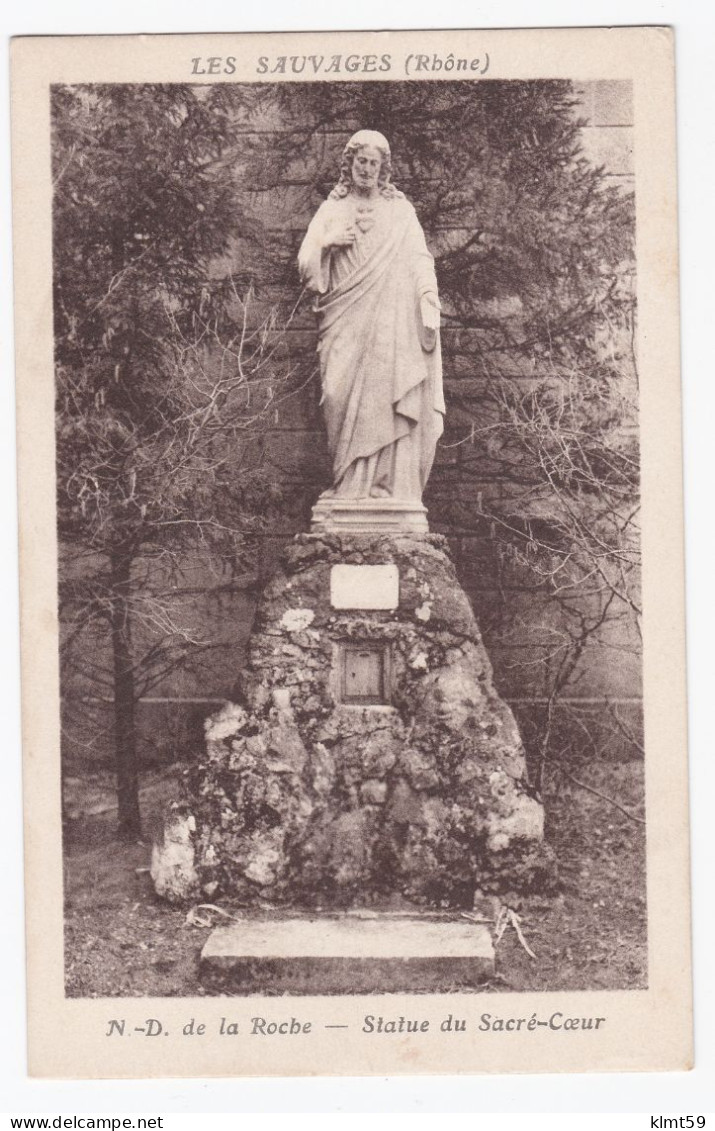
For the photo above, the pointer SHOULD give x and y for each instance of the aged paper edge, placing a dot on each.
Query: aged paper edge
(647, 1030)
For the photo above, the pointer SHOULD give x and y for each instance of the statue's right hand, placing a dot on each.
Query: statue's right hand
(341, 235)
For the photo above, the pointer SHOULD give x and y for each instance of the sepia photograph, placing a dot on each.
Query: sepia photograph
(351, 529)
(348, 529)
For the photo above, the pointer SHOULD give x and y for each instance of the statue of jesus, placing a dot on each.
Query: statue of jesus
(365, 259)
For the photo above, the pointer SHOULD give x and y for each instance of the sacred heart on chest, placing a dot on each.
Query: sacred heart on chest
(365, 219)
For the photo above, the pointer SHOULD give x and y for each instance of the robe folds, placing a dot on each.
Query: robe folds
(381, 372)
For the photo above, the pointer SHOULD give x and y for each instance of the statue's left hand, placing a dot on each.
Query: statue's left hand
(429, 312)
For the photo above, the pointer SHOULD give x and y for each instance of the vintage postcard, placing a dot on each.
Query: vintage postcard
(351, 533)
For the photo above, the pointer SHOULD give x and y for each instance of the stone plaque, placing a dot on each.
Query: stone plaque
(364, 586)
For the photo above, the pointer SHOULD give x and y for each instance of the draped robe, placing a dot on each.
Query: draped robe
(381, 371)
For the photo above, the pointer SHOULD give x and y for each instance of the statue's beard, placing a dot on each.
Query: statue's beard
(365, 188)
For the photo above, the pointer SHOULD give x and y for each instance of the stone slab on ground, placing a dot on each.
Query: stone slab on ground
(346, 954)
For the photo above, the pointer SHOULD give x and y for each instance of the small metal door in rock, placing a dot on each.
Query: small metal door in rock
(364, 674)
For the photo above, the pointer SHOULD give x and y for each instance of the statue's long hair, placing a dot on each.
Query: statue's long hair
(356, 143)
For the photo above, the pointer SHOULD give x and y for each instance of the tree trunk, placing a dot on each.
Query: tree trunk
(125, 735)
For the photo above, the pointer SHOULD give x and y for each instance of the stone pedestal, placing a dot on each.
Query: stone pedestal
(369, 757)
(335, 515)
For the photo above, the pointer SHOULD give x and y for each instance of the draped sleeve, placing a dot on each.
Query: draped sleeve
(425, 277)
(314, 257)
